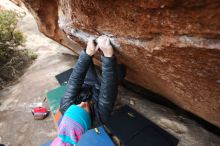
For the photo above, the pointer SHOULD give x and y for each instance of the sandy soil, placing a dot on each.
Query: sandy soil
(17, 126)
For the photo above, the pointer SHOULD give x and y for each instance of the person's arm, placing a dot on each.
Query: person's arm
(109, 84)
(108, 89)
(77, 77)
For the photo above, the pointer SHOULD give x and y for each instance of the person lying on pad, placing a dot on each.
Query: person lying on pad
(88, 98)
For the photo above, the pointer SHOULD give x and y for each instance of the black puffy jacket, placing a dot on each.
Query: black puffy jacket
(103, 97)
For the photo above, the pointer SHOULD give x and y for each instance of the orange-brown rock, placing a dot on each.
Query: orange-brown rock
(171, 47)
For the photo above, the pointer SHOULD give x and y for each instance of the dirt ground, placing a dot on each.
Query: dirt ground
(17, 126)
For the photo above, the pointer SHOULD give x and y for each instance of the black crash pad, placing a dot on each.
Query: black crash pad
(63, 77)
(135, 130)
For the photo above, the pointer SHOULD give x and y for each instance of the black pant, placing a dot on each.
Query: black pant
(92, 78)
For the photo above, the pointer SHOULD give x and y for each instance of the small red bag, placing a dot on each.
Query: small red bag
(39, 113)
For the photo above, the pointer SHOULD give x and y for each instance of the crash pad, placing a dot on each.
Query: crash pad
(95, 137)
(54, 96)
(133, 129)
(63, 77)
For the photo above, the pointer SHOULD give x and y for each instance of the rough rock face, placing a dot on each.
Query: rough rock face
(171, 47)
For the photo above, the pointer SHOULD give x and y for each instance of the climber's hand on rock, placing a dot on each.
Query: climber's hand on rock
(103, 42)
(91, 48)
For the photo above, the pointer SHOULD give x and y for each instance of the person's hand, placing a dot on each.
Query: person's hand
(91, 48)
(85, 106)
(103, 42)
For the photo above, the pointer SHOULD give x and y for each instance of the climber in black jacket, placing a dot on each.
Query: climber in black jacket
(85, 89)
